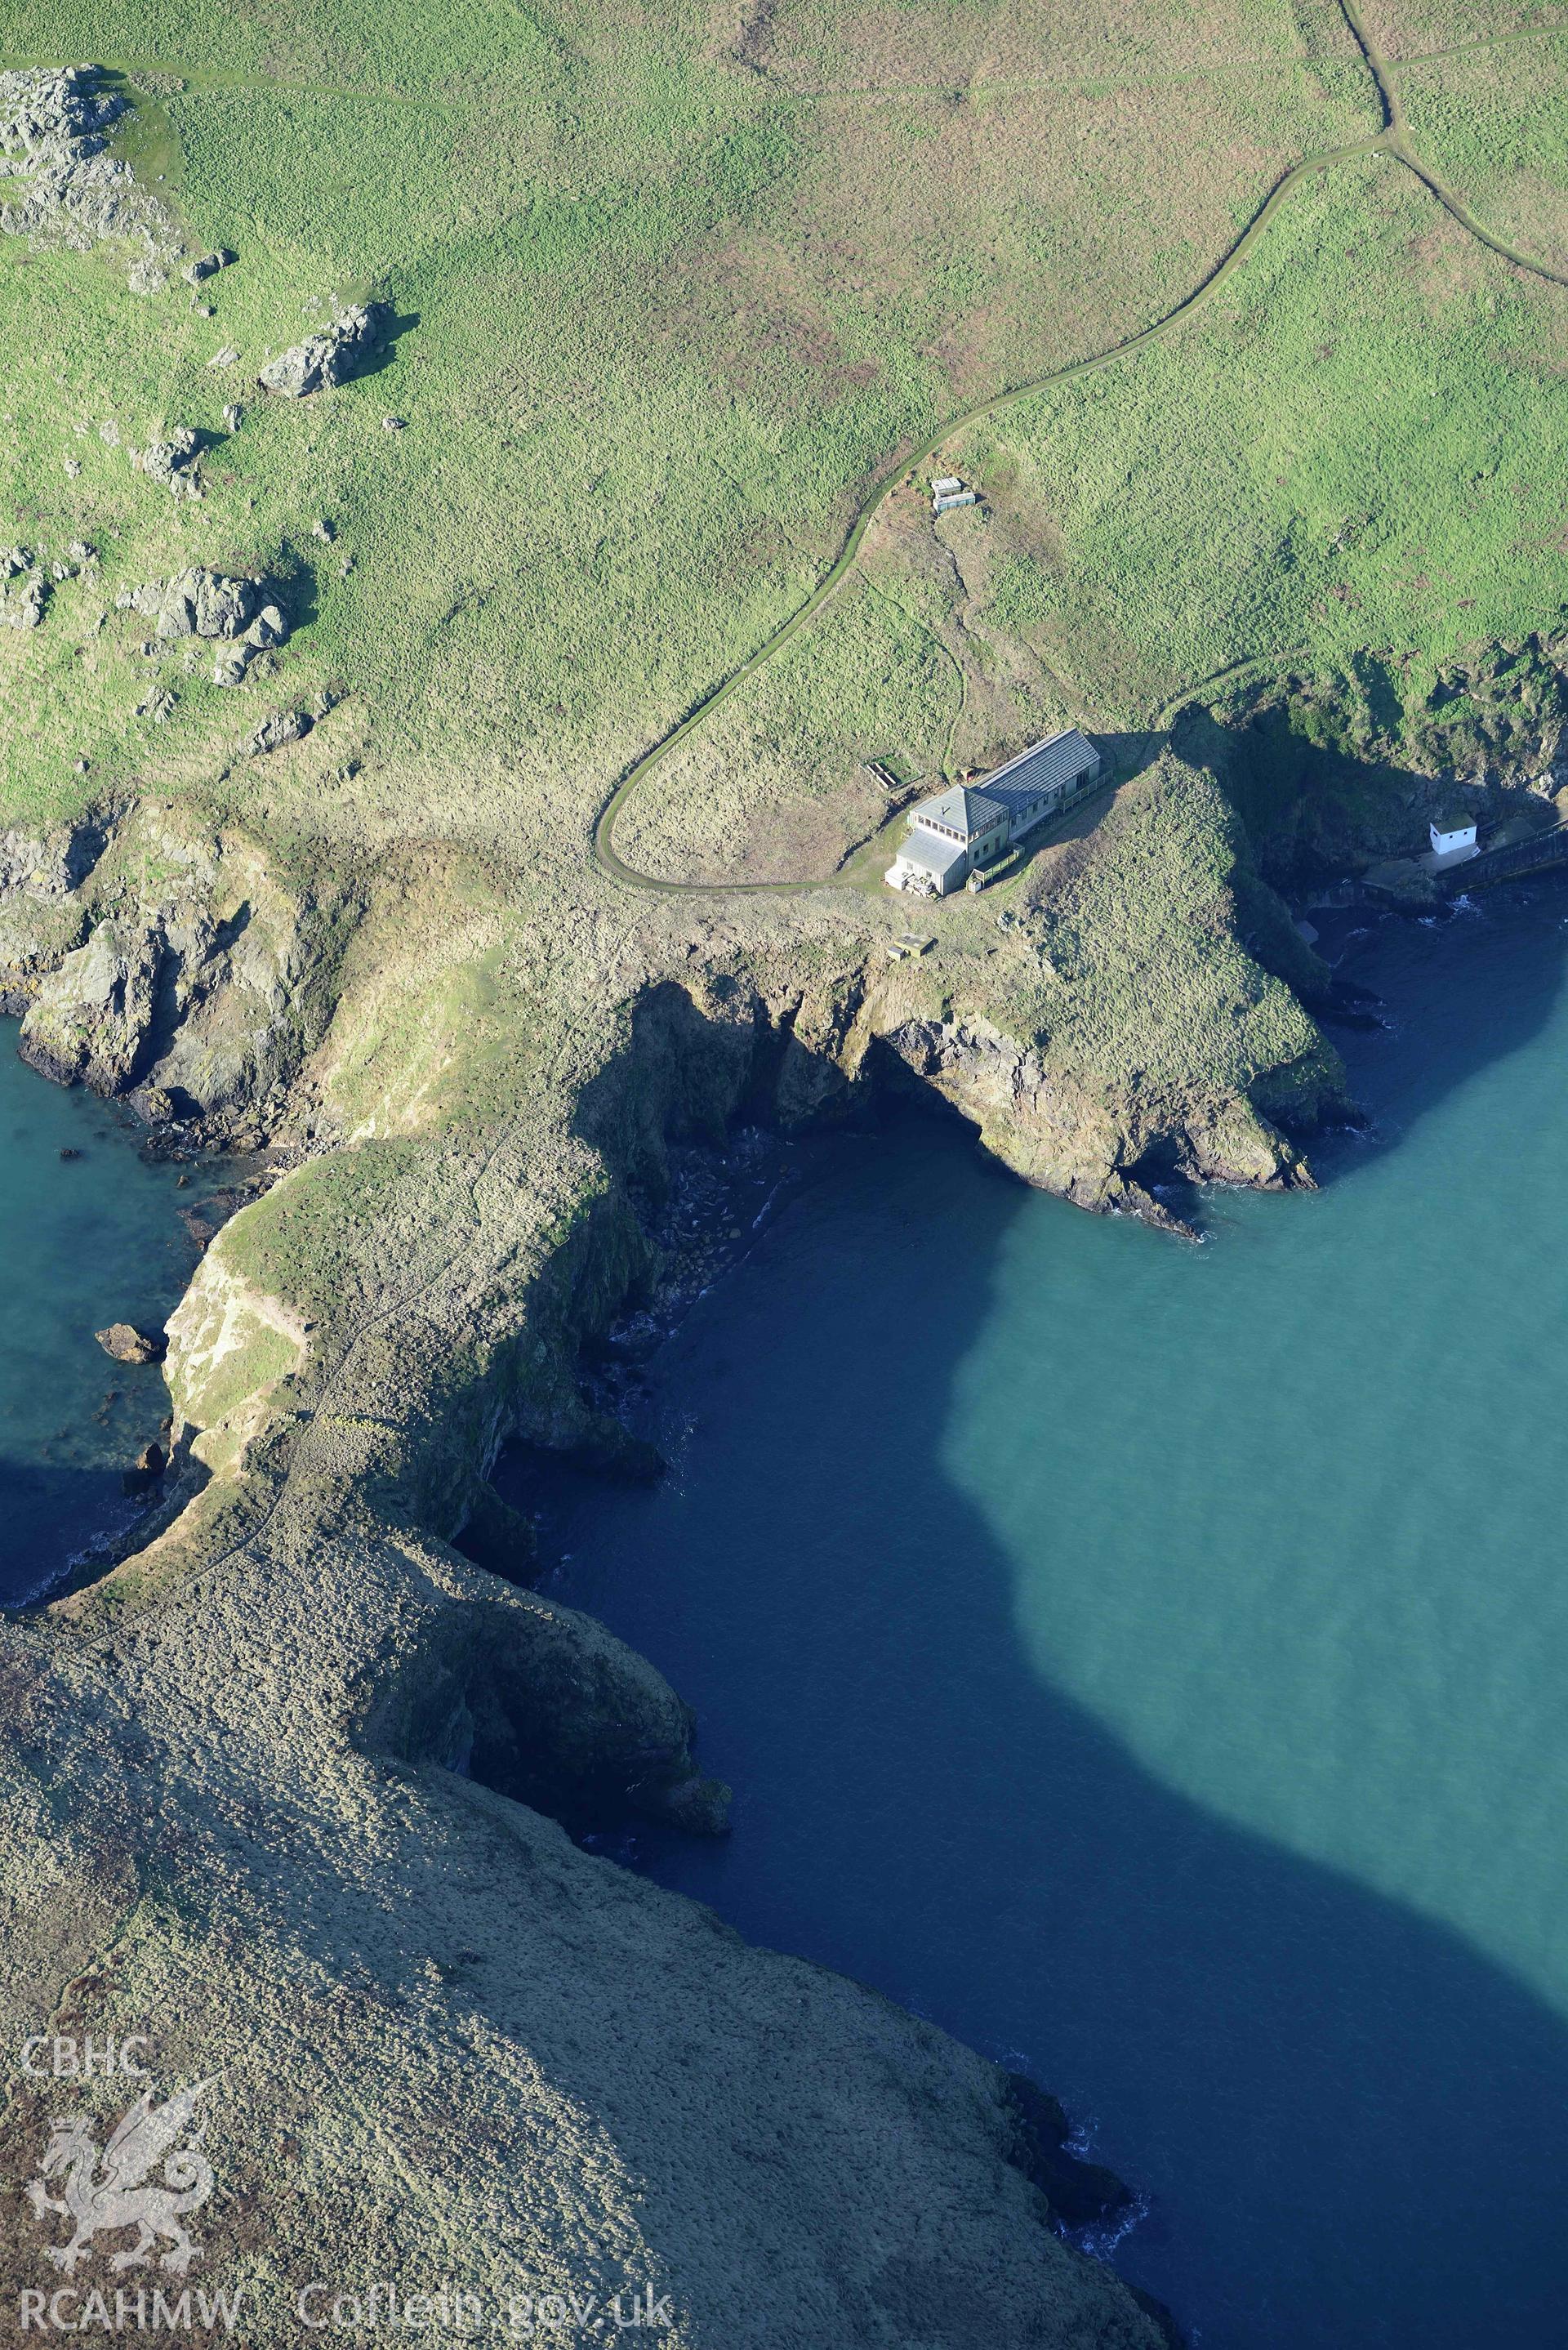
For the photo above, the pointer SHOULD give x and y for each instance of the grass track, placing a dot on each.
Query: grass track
(1393, 138)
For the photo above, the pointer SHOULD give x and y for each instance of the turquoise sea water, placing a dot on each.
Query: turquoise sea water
(1150, 1661)
(83, 1243)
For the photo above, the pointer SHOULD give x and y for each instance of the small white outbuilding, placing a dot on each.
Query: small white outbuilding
(1453, 835)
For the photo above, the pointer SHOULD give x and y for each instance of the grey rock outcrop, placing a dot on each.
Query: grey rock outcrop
(47, 865)
(207, 265)
(24, 588)
(237, 613)
(197, 602)
(91, 1018)
(283, 726)
(172, 463)
(268, 629)
(326, 357)
(54, 125)
(179, 973)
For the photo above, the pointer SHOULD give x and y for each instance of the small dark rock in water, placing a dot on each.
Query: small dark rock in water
(149, 1466)
(69, 1153)
(700, 1806)
(129, 1345)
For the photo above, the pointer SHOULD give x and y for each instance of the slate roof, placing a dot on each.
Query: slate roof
(967, 810)
(930, 852)
(1034, 775)
(1043, 767)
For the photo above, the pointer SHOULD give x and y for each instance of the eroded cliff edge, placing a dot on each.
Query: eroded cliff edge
(285, 1784)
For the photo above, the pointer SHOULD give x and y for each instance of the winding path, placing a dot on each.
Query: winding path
(1392, 139)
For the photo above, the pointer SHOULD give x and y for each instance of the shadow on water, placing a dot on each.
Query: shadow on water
(53, 1514)
(94, 1235)
(1348, 2121)
(1504, 957)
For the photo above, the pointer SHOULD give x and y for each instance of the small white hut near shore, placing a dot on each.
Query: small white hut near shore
(1453, 835)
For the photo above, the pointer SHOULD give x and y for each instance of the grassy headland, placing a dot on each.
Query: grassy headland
(667, 295)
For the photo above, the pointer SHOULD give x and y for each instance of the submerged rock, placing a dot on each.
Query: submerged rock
(324, 358)
(127, 1343)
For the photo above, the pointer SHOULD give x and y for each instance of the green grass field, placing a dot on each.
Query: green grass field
(663, 313)
(1495, 123)
(670, 294)
(1362, 443)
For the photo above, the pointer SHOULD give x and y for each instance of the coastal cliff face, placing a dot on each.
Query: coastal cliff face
(285, 1789)
(319, 1762)
(156, 957)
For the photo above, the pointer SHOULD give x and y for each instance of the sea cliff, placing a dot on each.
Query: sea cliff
(317, 1763)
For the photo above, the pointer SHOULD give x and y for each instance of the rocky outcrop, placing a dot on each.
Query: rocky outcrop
(1101, 1155)
(282, 727)
(205, 265)
(242, 614)
(174, 968)
(24, 588)
(127, 1343)
(328, 357)
(172, 463)
(197, 602)
(92, 1018)
(55, 124)
(48, 864)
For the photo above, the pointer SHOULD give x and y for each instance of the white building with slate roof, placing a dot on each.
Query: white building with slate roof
(961, 831)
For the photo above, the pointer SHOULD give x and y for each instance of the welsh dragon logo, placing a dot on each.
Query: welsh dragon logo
(106, 2189)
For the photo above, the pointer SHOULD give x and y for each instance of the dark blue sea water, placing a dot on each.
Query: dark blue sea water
(83, 1243)
(1150, 1661)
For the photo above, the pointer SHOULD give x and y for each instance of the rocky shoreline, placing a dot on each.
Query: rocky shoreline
(298, 1788)
(323, 1550)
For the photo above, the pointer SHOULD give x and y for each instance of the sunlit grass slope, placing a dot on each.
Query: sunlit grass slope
(670, 288)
